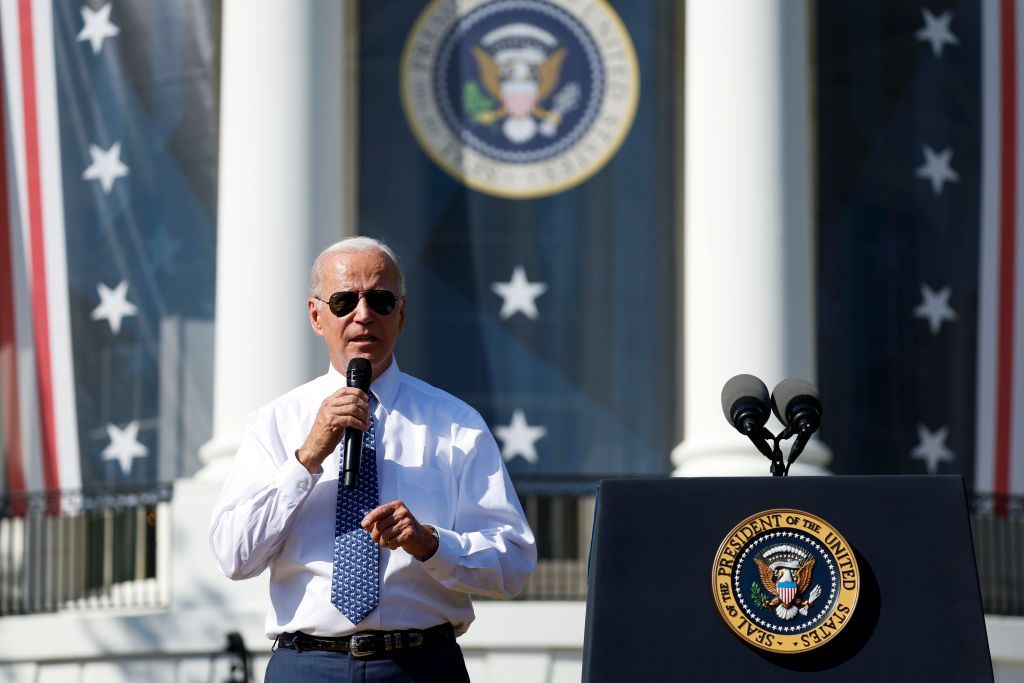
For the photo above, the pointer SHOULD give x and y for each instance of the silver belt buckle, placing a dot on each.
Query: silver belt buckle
(359, 645)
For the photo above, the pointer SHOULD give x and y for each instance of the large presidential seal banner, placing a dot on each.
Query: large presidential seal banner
(519, 98)
(520, 155)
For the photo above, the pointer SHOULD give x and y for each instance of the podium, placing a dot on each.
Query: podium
(656, 613)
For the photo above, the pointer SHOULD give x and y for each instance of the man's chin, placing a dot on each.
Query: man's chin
(371, 351)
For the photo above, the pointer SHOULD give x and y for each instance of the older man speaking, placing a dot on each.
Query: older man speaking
(362, 589)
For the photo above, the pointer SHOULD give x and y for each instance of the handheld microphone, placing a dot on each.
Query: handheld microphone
(358, 375)
(797, 405)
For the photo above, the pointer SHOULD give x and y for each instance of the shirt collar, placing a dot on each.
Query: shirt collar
(385, 387)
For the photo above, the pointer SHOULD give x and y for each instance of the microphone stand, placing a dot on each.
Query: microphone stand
(780, 463)
(779, 469)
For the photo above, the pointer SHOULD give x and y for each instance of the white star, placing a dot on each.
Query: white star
(124, 445)
(936, 31)
(519, 438)
(106, 166)
(97, 27)
(931, 447)
(519, 295)
(934, 307)
(114, 305)
(936, 168)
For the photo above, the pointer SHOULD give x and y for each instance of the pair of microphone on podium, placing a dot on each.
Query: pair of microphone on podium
(747, 406)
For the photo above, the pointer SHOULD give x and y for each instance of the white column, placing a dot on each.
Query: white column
(748, 262)
(281, 199)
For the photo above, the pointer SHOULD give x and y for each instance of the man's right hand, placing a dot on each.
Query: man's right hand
(347, 407)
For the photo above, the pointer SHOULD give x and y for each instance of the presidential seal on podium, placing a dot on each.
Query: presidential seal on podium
(785, 581)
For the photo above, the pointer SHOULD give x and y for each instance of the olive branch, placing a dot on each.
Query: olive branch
(759, 597)
(474, 101)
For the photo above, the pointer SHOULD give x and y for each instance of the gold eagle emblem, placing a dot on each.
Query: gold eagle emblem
(786, 573)
(497, 80)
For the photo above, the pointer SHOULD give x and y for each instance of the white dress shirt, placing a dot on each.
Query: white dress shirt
(434, 452)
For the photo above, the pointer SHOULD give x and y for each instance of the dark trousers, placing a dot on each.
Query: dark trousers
(434, 663)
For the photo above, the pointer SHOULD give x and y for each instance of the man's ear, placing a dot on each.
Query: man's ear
(314, 316)
(401, 314)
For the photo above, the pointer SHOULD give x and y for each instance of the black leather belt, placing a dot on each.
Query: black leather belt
(369, 643)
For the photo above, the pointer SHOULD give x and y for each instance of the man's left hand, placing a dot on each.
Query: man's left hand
(393, 526)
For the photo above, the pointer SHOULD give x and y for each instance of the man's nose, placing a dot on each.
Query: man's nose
(363, 310)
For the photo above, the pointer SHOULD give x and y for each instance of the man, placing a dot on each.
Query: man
(361, 588)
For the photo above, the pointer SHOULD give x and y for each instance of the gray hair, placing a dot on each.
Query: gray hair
(353, 245)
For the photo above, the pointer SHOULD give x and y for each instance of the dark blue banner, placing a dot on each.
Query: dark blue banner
(520, 158)
(899, 92)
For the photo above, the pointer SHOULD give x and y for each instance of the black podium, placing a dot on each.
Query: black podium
(652, 612)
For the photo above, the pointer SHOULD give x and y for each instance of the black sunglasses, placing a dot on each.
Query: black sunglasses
(380, 301)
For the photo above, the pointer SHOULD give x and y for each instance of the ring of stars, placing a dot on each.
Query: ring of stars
(790, 536)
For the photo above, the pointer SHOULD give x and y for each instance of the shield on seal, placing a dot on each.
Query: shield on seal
(519, 97)
(787, 592)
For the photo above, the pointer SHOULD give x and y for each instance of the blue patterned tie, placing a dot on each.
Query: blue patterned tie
(354, 581)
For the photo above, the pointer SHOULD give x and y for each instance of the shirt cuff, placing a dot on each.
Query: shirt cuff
(449, 549)
(293, 479)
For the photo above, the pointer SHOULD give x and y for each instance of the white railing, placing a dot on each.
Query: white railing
(998, 525)
(100, 549)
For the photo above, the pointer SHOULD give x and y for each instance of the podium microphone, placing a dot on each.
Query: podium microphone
(745, 404)
(797, 405)
(358, 374)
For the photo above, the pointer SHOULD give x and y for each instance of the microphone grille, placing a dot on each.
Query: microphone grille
(359, 373)
(787, 391)
(743, 386)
